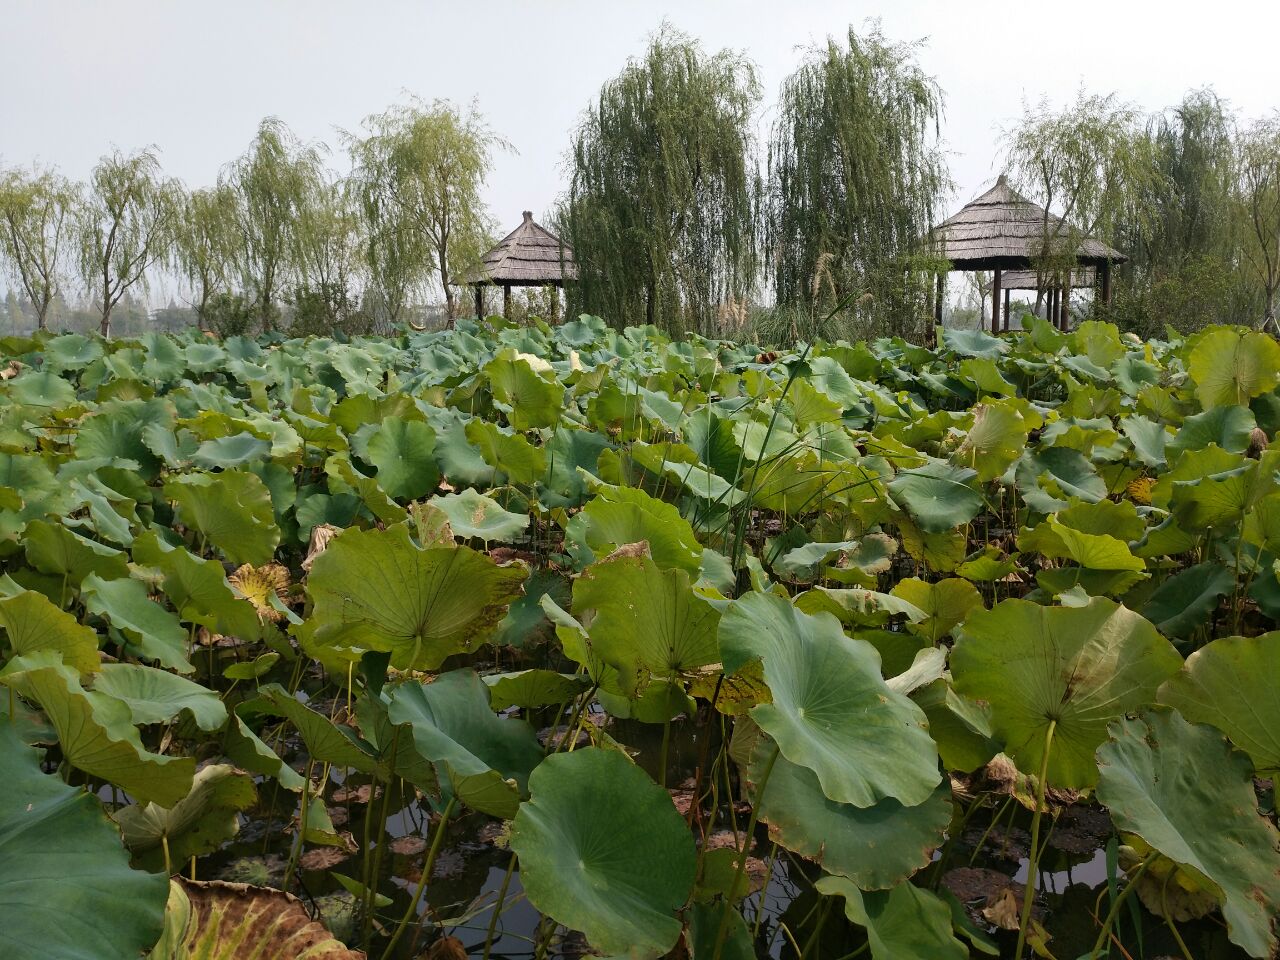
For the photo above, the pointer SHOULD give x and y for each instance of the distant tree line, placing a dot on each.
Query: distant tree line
(277, 238)
(676, 214)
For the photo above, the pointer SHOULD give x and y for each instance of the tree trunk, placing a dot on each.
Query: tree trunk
(105, 327)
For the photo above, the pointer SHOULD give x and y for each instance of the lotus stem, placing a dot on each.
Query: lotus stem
(371, 889)
(296, 851)
(168, 866)
(662, 756)
(1033, 863)
(1116, 904)
(427, 867)
(723, 931)
(497, 907)
(1168, 918)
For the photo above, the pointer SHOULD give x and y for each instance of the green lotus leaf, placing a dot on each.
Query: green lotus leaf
(869, 556)
(215, 920)
(1229, 366)
(345, 478)
(832, 711)
(54, 549)
(1149, 438)
(485, 760)
(1230, 683)
(156, 696)
(66, 890)
(680, 464)
(526, 389)
(625, 515)
(224, 453)
(1229, 427)
(197, 824)
(876, 847)
(326, 741)
(152, 632)
(71, 351)
(378, 590)
(246, 750)
(1185, 792)
(1077, 668)
(198, 589)
(937, 495)
(1093, 551)
(41, 388)
(994, 441)
(259, 666)
(231, 509)
(32, 622)
(404, 453)
(960, 726)
(1185, 601)
(945, 604)
(648, 622)
(704, 928)
(96, 732)
(603, 850)
(533, 688)
(1048, 477)
(472, 514)
(905, 923)
(509, 454)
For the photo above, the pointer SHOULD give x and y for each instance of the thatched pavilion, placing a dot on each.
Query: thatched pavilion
(1003, 231)
(529, 256)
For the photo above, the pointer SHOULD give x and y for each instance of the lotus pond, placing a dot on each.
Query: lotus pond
(557, 642)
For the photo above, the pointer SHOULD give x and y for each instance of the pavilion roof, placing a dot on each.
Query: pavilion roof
(1004, 229)
(530, 255)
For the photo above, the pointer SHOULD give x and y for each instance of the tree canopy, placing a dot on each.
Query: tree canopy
(663, 192)
(856, 176)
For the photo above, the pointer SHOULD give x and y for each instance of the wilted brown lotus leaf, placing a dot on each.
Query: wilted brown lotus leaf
(321, 534)
(260, 585)
(216, 920)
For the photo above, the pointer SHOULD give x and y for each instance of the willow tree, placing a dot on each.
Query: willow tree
(328, 244)
(1088, 165)
(272, 182)
(662, 200)
(1178, 225)
(856, 175)
(1260, 204)
(35, 221)
(418, 176)
(125, 227)
(205, 245)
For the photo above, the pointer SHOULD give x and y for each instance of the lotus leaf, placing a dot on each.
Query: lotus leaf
(96, 732)
(832, 711)
(1073, 668)
(905, 923)
(1230, 683)
(66, 889)
(485, 760)
(603, 850)
(378, 590)
(1165, 779)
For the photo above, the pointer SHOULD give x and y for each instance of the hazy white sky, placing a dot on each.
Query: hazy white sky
(194, 78)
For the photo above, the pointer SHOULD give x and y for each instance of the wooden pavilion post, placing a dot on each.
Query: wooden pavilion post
(506, 300)
(1051, 314)
(939, 293)
(555, 303)
(1106, 282)
(479, 301)
(1066, 302)
(1007, 291)
(995, 301)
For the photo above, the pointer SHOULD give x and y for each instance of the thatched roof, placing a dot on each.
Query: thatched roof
(1004, 229)
(1026, 279)
(529, 256)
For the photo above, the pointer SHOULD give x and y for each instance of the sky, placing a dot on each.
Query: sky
(194, 79)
